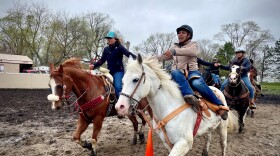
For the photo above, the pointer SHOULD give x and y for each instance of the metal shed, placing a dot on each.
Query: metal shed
(14, 63)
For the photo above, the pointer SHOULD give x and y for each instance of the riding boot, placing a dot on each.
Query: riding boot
(192, 100)
(223, 113)
(252, 104)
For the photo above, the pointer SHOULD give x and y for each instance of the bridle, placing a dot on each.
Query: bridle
(237, 75)
(64, 97)
(130, 97)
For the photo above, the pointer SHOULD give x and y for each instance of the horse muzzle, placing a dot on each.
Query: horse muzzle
(53, 98)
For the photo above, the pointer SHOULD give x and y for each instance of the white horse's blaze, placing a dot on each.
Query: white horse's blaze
(234, 74)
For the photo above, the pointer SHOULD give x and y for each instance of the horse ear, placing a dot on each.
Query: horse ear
(51, 67)
(60, 70)
(139, 59)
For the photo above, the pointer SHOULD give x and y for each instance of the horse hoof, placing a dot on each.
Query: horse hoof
(205, 152)
(142, 138)
(87, 145)
(134, 141)
(93, 153)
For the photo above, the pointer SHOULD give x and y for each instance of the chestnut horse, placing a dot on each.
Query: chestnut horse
(94, 94)
(252, 74)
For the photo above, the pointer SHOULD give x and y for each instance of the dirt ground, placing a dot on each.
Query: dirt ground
(29, 127)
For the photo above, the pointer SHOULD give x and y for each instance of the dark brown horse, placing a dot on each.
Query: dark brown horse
(237, 95)
(94, 94)
(208, 78)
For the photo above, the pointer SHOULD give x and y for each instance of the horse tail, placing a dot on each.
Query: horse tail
(233, 125)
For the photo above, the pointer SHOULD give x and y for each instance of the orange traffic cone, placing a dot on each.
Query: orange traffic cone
(149, 146)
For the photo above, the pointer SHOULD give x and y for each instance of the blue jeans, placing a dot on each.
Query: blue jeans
(180, 79)
(247, 82)
(216, 78)
(118, 82)
(199, 85)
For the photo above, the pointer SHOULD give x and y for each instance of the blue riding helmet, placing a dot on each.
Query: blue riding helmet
(111, 34)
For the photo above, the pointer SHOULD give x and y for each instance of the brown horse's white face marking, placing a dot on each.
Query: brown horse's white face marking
(233, 76)
(57, 91)
(55, 97)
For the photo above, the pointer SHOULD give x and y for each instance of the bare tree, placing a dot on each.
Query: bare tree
(95, 27)
(156, 44)
(65, 33)
(248, 35)
(12, 30)
(208, 49)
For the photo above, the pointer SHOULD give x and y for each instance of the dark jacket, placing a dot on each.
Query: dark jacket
(244, 62)
(211, 68)
(114, 56)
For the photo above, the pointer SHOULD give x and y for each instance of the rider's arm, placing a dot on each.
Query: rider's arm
(205, 63)
(126, 52)
(225, 67)
(191, 49)
(246, 65)
(101, 60)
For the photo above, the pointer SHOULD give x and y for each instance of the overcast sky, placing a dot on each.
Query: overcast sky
(137, 20)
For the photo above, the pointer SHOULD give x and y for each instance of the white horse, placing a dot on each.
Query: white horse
(147, 79)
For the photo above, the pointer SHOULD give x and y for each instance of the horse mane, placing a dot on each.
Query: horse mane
(72, 62)
(164, 77)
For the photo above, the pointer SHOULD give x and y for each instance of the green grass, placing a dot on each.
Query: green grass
(271, 88)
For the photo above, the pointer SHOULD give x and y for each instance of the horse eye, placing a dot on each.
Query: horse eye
(135, 80)
(59, 86)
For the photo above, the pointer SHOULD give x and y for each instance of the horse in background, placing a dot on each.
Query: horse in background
(237, 95)
(252, 74)
(174, 120)
(208, 78)
(94, 100)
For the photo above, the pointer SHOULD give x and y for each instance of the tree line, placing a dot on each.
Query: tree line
(45, 36)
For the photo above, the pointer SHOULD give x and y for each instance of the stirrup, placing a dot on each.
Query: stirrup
(224, 116)
(253, 106)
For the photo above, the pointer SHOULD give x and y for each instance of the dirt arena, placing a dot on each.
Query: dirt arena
(29, 127)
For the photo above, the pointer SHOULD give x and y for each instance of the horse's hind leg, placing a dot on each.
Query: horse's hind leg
(222, 130)
(207, 144)
(134, 121)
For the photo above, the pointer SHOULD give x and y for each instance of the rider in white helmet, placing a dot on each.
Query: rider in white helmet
(245, 66)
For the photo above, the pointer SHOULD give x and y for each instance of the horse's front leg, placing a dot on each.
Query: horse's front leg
(182, 146)
(81, 127)
(97, 125)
